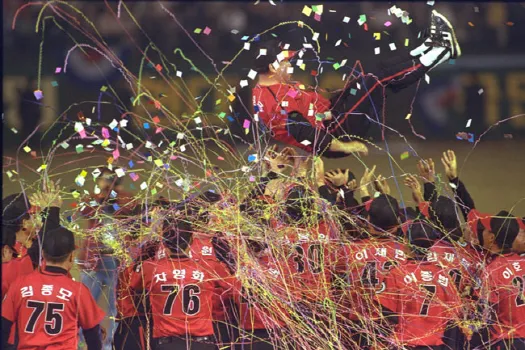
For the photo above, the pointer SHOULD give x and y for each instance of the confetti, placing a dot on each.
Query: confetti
(468, 123)
(430, 3)
(388, 24)
(246, 124)
(471, 24)
(247, 46)
(392, 46)
(406, 42)
(197, 30)
(38, 94)
(307, 11)
(409, 115)
(480, 91)
(103, 88)
(361, 20)
(346, 19)
(54, 83)
(377, 36)
(507, 136)
(58, 70)
(427, 78)
(252, 74)
(306, 142)
(404, 155)
(207, 31)
(377, 50)
(27, 149)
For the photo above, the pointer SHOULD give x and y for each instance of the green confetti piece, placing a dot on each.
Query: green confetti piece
(274, 35)
(54, 83)
(314, 8)
(362, 18)
(349, 36)
(337, 66)
(103, 88)
(404, 155)
(353, 91)
(197, 30)
(158, 162)
(153, 191)
(79, 148)
(222, 115)
(218, 102)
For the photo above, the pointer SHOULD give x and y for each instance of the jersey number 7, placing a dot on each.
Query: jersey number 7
(430, 290)
(191, 303)
(53, 321)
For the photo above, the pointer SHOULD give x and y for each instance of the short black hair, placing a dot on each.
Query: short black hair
(442, 212)
(506, 228)
(262, 63)
(384, 212)
(177, 234)
(58, 244)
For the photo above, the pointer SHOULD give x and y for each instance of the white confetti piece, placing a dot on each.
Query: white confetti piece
(480, 91)
(244, 83)
(182, 148)
(427, 78)
(148, 144)
(299, 63)
(252, 74)
(284, 104)
(123, 123)
(143, 185)
(129, 146)
(306, 142)
(377, 50)
(392, 46)
(64, 145)
(79, 127)
(180, 136)
(88, 121)
(430, 3)
(315, 36)
(246, 46)
(179, 73)
(468, 123)
(346, 19)
(338, 42)
(198, 120)
(113, 124)
(120, 172)
(280, 57)
(289, 70)
(262, 52)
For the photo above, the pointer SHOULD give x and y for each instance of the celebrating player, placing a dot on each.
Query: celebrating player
(307, 120)
(181, 292)
(47, 306)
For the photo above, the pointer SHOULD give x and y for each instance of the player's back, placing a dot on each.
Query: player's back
(259, 309)
(364, 264)
(424, 298)
(309, 254)
(48, 308)
(181, 291)
(505, 286)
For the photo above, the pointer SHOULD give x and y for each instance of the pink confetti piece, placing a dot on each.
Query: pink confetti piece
(388, 24)
(105, 133)
(82, 134)
(317, 17)
(252, 178)
(207, 31)
(158, 130)
(292, 93)
(58, 70)
(134, 176)
(220, 158)
(116, 154)
(173, 157)
(246, 124)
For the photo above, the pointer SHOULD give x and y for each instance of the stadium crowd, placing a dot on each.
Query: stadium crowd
(298, 263)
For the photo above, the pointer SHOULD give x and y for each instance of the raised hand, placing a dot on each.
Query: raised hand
(381, 185)
(337, 177)
(48, 198)
(450, 164)
(277, 161)
(427, 169)
(366, 180)
(412, 183)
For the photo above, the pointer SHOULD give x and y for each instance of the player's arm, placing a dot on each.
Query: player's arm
(89, 318)
(9, 314)
(460, 191)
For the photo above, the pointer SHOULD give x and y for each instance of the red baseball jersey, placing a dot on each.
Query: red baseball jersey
(504, 288)
(273, 103)
(257, 309)
(130, 301)
(424, 297)
(364, 264)
(14, 269)
(48, 308)
(181, 293)
(309, 255)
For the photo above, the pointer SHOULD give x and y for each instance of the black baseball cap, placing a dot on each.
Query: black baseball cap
(58, 242)
(506, 228)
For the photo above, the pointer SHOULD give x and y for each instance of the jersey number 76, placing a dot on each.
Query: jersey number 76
(191, 303)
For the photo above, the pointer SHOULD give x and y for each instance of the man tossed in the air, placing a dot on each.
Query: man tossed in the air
(332, 128)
